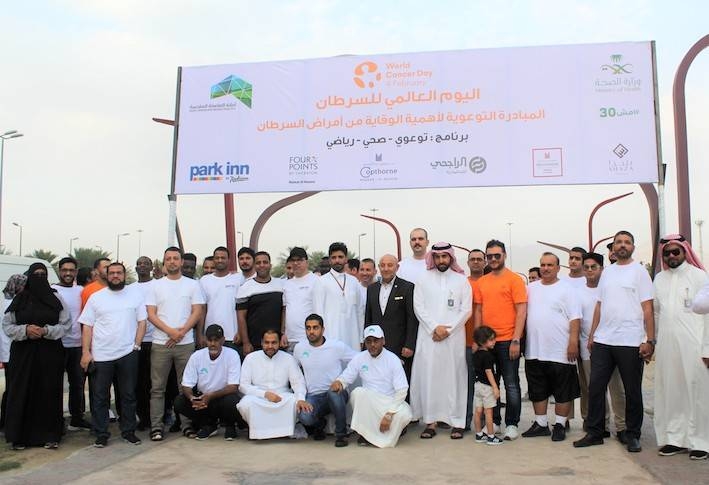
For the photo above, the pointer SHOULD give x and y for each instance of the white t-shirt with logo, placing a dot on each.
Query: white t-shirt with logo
(173, 300)
(220, 294)
(550, 308)
(114, 316)
(321, 365)
(622, 289)
(298, 300)
(212, 375)
(144, 288)
(72, 297)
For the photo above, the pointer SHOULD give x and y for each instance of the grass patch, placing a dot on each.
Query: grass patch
(9, 465)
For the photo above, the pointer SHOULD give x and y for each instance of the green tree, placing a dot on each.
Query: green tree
(314, 257)
(86, 256)
(44, 254)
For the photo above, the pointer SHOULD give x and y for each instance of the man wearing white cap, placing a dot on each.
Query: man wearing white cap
(379, 411)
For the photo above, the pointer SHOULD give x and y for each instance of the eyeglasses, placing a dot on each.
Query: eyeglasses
(590, 267)
(679, 238)
(490, 257)
(674, 252)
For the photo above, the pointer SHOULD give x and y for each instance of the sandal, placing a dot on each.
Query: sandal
(456, 433)
(189, 432)
(156, 435)
(428, 433)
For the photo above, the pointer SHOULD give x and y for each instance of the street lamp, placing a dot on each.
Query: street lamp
(374, 235)
(359, 244)
(241, 235)
(20, 226)
(140, 241)
(71, 243)
(699, 223)
(5, 136)
(118, 244)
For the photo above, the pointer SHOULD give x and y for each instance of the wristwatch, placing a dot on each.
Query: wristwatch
(136, 347)
(515, 341)
(652, 342)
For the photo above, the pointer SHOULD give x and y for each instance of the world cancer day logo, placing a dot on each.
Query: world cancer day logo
(237, 87)
(367, 75)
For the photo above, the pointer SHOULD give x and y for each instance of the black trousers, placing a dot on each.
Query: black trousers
(604, 360)
(142, 390)
(76, 377)
(222, 409)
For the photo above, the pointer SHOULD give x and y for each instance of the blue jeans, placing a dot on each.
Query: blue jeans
(126, 369)
(509, 371)
(471, 387)
(324, 404)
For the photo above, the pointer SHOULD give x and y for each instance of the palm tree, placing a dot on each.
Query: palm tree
(44, 254)
(86, 256)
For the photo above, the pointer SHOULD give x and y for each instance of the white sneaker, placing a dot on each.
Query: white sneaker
(511, 432)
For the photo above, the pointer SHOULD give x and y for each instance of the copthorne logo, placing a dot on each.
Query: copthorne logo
(367, 74)
(211, 172)
(616, 67)
(237, 87)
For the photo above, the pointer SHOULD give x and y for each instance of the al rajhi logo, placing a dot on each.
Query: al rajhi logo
(367, 74)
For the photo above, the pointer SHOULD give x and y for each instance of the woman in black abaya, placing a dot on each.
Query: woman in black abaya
(35, 321)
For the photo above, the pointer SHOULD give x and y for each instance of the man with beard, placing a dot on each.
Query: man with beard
(390, 304)
(210, 385)
(175, 305)
(71, 294)
(322, 361)
(273, 388)
(259, 304)
(439, 380)
(297, 298)
(411, 268)
(189, 265)
(379, 413)
(208, 265)
(245, 258)
(219, 290)
(98, 283)
(623, 337)
(114, 325)
(337, 298)
(681, 378)
(144, 268)
(501, 304)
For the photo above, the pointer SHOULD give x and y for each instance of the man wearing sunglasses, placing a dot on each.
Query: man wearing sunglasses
(622, 336)
(501, 304)
(681, 378)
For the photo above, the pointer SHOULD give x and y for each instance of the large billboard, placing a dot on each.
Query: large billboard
(575, 114)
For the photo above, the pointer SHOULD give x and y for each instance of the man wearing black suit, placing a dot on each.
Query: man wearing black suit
(390, 304)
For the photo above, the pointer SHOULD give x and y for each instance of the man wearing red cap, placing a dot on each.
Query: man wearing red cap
(681, 378)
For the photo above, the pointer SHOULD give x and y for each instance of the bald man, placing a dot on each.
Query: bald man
(390, 304)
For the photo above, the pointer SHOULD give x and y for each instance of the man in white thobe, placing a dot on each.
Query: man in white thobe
(681, 377)
(269, 405)
(338, 299)
(439, 378)
(379, 410)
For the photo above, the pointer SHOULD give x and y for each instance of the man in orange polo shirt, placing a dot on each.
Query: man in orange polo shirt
(100, 281)
(500, 299)
(476, 264)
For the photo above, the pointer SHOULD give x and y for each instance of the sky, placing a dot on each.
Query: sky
(81, 79)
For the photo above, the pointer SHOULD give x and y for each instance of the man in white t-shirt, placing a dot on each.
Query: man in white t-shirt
(114, 325)
(622, 336)
(297, 298)
(322, 361)
(411, 268)
(219, 290)
(553, 322)
(576, 277)
(210, 385)
(175, 305)
(71, 294)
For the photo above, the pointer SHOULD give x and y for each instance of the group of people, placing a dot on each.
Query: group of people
(420, 342)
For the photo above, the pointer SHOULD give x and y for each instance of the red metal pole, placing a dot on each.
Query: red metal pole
(230, 227)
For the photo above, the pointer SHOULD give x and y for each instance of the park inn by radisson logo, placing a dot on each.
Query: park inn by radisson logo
(216, 171)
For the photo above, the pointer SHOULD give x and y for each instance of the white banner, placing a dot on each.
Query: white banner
(581, 114)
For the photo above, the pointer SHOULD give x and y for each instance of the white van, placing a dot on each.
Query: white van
(10, 265)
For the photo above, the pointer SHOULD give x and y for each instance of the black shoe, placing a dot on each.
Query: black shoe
(536, 430)
(319, 434)
(588, 440)
(362, 442)
(78, 424)
(606, 434)
(621, 437)
(205, 432)
(131, 438)
(101, 442)
(670, 450)
(698, 455)
(341, 442)
(230, 433)
(559, 432)
(634, 445)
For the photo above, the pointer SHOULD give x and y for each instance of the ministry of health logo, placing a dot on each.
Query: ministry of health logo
(616, 66)
(237, 87)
